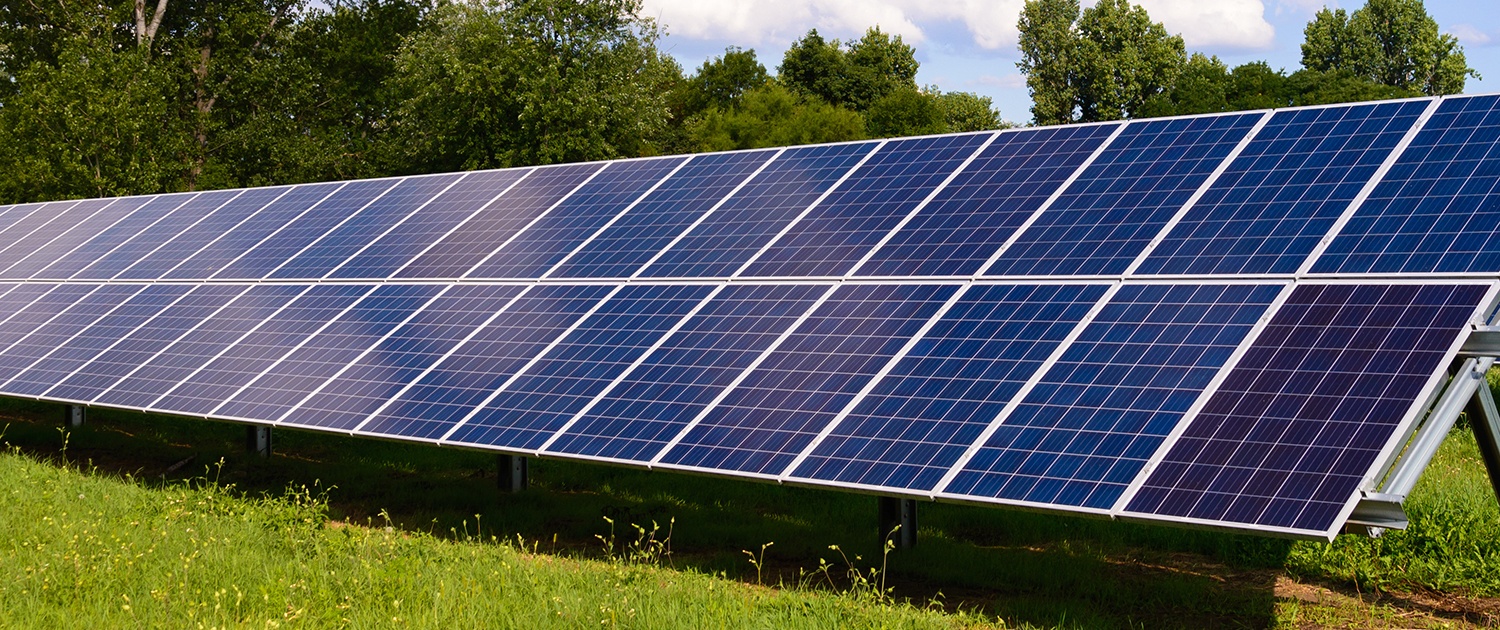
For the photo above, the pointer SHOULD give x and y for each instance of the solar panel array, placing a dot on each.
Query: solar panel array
(1228, 320)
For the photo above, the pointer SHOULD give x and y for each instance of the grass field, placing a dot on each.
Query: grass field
(148, 521)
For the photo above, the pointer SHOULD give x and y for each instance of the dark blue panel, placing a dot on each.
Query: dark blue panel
(256, 352)
(297, 232)
(1438, 208)
(837, 234)
(486, 231)
(43, 339)
(1081, 436)
(229, 238)
(150, 237)
(97, 338)
(380, 215)
(771, 416)
(621, 249)
(921, 418)
(477, 368)
(424, 227)
(733, 234)
(345, 339)
(1288, 438)
(72, 238)
(1106, 217)
(1278, 199)
(379, 376)
(652, 404)
(14, 242)
(581, 366)
(31, 306)
(192, 238)
(180, 360)
(139, 347)
(594, 204)
(974, 215)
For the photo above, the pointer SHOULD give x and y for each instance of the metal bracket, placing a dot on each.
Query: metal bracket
(1376, 513)
(1484, 419)
(1483, 342)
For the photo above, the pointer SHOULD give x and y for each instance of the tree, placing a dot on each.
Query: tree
(1390, 42)
(773, 116)
(1202, 87)
(966, 111)
(1124, 59)
(721, 81)
(905, 112)
(855, 76)
(813, 66)
(1049, 44)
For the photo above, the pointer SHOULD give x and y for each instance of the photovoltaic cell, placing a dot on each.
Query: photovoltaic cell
(30, 306)
(375, 378)
(380, 215)
(72, 239)
(11, 215)
(771, 416)
(1283, 193)
(58, 330)
(297, 232)
(461, 382)
(317, 360)
(1106, 217)
(1438, 208)
(980, 209)
(731, 236)
(549, 240)
(577, 369)
(1084, 432)
(479, 236)
(423, 228)
(188, 240)
(840, 231)
(149, 237)
(921, 418)
(228, 238)
(1288, 438)
(637, 417)
(622, 248)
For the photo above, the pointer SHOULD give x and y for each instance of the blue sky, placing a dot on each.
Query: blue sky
(970, 45)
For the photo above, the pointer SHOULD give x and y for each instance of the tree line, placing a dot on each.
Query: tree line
(118, 97)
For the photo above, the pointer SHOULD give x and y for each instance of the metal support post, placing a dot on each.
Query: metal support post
(258, 440)
(898, 521)
(513, 473)
(73, 416)
(1485, 421)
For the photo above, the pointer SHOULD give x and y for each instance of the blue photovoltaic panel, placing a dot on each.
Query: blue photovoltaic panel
(15, 243)
(1283, 193)
(478, 237)
(187, 240)
(297, 232)
(462, 382)
(29, 306)
(921, 418)
(78, 234)
(135, 350)
(635, 419)
(199, 347)
(1106, 217)
(98, 337)
(227, 235)
(11, 215)
(423, 228)
(43, 339)
(149, 237)
(579, 367)
(273, 339)
(317, 360)
(731, 235)
(549, 240)
(344, 241)
(1081, 436)
(981, 208)
(838, 233)
(380, 375)
(1438, 208)
(1289, 437)
(771, 416)
(622, 248)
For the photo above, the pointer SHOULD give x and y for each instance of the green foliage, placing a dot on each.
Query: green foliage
(854, 76)
(1104, 63)
(1203, 87)
(1049, 46)
(773, 116)
(966, 111)
(906, 112)
(1390, 42)
(721, 81)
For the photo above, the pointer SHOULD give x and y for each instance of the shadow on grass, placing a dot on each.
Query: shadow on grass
(1024, 568)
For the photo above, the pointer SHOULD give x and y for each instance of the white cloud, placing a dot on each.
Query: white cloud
(1470, 35)
(1216, 24)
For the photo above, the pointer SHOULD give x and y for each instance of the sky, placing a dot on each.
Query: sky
(970, 45)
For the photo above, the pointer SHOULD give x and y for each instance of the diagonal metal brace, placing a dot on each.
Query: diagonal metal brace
(1485, 421)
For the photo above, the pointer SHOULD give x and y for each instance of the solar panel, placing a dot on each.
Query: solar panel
(1233, 320)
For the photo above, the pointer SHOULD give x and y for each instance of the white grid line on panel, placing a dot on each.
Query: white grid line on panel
(27, 236)
(310, 244)
(460, 225)
(634, 365)
(190, 198)
(399, 222)
(267, 237)
(808, 210)
(59, 217)
(35, 208)
(60, 312)
(71, 337)
(704, 217)
(1020, 396)
(1208, 392)
(210, 242)
(534, 221)
(158, 247)
(744, 374)
(875, 381)
(1051, 199)
(616, 219)
(164, 348)
(1203, 189)
(12, 314)
(116, 342)
(1369, 187)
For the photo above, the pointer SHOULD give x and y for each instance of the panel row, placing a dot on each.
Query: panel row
(1232, 194)
(1256, 405)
